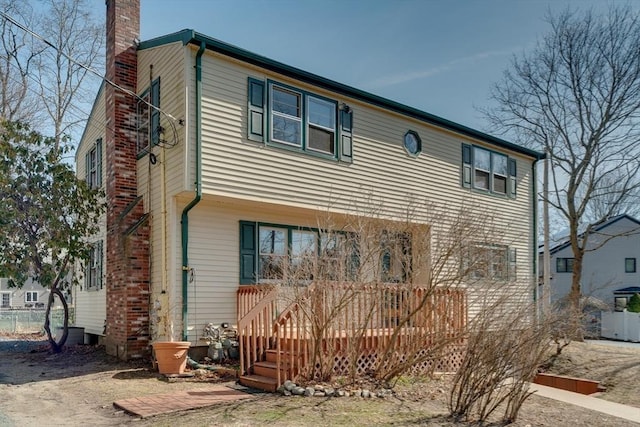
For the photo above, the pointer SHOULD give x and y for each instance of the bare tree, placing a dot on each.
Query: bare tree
(70, 27)
(17, 54)
(45, 55)
(577, 95)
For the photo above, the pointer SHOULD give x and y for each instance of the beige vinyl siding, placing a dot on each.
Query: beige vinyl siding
(168, 62)
(237, 172)
(234, 167)
(214, 256)
(91, 305)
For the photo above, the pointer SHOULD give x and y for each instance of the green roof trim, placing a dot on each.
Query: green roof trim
(192, 37)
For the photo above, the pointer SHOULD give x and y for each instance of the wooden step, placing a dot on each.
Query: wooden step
(259, 382)
(272, 354)
(268, 369)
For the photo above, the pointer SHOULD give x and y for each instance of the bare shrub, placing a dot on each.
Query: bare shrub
(389, 297)
(506, 345)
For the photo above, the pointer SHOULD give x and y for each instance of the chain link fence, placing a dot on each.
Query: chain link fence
(30, 320)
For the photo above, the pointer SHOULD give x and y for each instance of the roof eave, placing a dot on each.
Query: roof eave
(190, 36)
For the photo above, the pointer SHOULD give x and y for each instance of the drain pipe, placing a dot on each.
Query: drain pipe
(184, 221)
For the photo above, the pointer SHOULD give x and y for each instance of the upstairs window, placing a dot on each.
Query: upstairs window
(322, 125)
(286, 116)
(295, 112)
(629, 265)
(488, 171)
(148, 118)
(93, 165)
(564, 265)
(299, 120)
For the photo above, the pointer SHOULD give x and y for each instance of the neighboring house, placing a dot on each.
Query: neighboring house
(610, 274)
(227, 182)
(30, 295)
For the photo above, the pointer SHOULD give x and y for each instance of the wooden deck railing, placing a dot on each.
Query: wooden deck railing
(257, 310)
(342, 316)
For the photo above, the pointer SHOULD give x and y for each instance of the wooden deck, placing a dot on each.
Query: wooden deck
(353, 326)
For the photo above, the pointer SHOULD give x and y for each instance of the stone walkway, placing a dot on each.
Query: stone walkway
(149, 406)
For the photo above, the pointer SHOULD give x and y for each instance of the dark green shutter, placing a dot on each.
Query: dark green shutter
(87, 170)
(248, 252)
(256, 111)
(99, 162)
(346, 135)
(155, 113)
(100, 279)
(467, 161)
(513, 177)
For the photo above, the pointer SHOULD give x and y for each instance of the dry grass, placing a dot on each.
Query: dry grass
(88, 382)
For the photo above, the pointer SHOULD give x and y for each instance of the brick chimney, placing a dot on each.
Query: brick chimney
(127, 263)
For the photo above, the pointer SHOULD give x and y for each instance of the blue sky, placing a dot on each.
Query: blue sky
(439, 56)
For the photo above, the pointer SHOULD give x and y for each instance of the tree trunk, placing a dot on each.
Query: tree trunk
(575, 311)
(56, 347)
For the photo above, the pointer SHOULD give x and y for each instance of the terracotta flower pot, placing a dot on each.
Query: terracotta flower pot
(171, 356)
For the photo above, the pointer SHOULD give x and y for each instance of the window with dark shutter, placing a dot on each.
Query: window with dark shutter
(488, 171)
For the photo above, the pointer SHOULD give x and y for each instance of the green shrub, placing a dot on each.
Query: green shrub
(634, 304)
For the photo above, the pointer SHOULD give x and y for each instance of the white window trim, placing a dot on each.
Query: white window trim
(28, 296)
(303, 120)
(2, 294)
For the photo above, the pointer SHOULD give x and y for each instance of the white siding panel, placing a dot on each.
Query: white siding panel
(91, 305)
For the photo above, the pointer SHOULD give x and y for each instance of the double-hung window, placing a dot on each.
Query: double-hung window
(93, 268)
(302, 120)
(291, 118)
(31, 296)
(488, 171)
(286, 116)
(271, 253)
(93, 165)
(5, 299)
(321, 125)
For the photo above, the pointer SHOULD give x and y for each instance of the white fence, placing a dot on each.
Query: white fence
(621, 325)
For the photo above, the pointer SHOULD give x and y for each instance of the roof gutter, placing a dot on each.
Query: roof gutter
(184, 221)
(534, 200)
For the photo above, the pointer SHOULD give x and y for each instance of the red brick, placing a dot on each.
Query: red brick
(127, 277)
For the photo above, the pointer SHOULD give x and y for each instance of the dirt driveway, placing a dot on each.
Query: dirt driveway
(78, 387)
